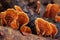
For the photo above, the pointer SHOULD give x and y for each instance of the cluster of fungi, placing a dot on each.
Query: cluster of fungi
(17, 19)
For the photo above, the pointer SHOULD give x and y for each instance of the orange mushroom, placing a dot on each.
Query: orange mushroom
(23, 19)
(51, 11)
(54, 10)
(8, 16)
(47, 12)
(25, 29)
(43, 27)
(57, 19)
(11, 15)
(20, 21)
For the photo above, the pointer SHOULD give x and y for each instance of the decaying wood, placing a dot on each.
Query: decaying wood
(7, 33)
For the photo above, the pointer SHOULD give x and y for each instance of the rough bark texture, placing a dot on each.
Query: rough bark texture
(7, 33)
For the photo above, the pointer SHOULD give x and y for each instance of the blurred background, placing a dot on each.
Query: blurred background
(4, 4)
